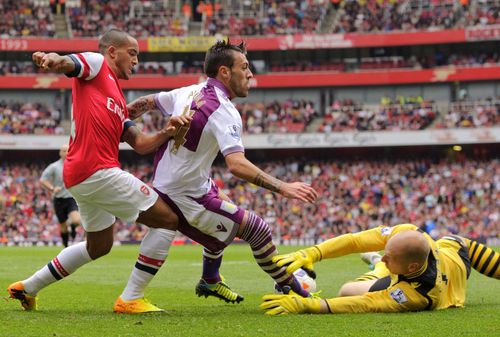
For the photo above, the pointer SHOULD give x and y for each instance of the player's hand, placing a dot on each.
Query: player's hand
(57, 189)
(299, 190)
(290, 304)
(47, 62)
(175, 123)
(303, 258)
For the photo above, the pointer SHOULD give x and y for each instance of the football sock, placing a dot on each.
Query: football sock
(484, 259)
(211, 266)
(64, 237)
(64, 264)
(258, 235)
(73, 231)
(379, 272)
(152, 254)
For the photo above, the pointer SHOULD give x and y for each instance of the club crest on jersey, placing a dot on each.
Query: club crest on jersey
(399, 296)
(145, 190)
(235, 131)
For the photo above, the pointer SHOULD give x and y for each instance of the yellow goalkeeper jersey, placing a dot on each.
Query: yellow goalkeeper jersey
(440, 283)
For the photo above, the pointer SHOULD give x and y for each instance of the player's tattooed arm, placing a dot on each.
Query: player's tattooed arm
(140, 106)
(241, 167)
(244, 169)
(268, 182)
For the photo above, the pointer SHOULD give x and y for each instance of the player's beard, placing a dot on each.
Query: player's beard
(238, 87)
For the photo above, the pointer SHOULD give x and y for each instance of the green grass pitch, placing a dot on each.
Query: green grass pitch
(81, 305)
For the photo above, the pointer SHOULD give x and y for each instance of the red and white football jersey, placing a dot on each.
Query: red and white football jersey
(98, 116)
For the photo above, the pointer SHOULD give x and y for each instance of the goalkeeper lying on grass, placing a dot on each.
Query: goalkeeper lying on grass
(416, 272)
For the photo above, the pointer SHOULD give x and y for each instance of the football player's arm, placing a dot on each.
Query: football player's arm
(146, 143)
(53, 62)
(366, 241)
(141, 105)
(241, 167)
(401, 297)
(45, 179)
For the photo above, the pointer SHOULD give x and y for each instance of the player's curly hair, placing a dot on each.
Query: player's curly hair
(220, 54)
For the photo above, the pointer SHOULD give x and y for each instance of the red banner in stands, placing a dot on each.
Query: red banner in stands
(285, 42)
(483, 33)
(351, 40)
(283, 80)
(55, 45)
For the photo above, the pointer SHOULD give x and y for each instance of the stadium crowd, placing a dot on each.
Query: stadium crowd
(469, 114)
(290, 116)
(388, 15)
(270, 17)
(21, 18)
(29, 118)
(277, 117)
(152, 19)
(440, 196)
(411, 113)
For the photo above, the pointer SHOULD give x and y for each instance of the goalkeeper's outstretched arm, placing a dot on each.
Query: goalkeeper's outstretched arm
(366, 241)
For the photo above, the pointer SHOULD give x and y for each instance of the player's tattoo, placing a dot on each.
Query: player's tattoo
(140, 106)
(268, 182)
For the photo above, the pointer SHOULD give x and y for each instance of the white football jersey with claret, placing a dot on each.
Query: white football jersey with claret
(183, 164)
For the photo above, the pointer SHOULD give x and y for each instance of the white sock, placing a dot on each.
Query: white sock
(152, 253)
(64, 264)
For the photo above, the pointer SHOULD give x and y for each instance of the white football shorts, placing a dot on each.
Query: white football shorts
(109, 194)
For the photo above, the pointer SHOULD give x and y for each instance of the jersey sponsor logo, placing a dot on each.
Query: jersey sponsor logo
(228, 207)
(115, 108)
(386, 231)
(144, 189)
(235, 131)
(180, 136)
(399, 296)
(221, 228)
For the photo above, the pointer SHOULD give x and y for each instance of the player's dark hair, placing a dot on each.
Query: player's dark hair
(113, 37)
(221, 54)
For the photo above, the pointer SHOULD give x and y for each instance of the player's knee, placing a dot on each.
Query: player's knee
(255, 230)
(159, 216)
(97, 251)
(347, 289)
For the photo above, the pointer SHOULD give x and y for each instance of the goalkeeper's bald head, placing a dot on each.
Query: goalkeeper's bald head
(406, 252)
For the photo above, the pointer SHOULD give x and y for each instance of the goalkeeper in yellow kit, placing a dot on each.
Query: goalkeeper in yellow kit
(415, 273)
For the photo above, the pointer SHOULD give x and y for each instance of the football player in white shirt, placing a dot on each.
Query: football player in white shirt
(183, 169)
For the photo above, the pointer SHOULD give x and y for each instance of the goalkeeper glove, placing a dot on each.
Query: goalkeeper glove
(290, 304)
(303, 258)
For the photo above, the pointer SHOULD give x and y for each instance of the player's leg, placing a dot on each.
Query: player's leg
(98, 243)
(212, 283)
(254, 230)
(144, 206)
(212, 260)
(63, 229)
(371, 281)
(74, 217)
(483, 259)
(62, 217)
